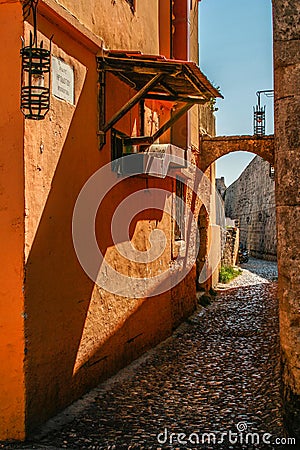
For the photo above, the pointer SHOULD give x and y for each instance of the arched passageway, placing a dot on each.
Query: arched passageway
(212, 148)
(203, 227)
(249, 203)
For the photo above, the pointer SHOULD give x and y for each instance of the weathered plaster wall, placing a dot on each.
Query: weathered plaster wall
(77, 333)
(208, 257)
(12, 389)
(286, 19)
(117, 25)
(251, 200)
(194, 56)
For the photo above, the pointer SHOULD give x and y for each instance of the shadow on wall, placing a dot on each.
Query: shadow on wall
(76, 333)
(59, 297)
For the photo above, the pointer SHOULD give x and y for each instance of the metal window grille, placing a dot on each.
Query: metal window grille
(179, 209)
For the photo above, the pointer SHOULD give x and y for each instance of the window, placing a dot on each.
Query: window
(179, 209)
(120, 149)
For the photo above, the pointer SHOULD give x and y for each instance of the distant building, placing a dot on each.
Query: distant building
(229, 234)
(251, 201)
(221, 186)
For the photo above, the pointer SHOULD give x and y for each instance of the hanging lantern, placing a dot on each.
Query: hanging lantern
(35, 80)
(259, 120)
(35, 90)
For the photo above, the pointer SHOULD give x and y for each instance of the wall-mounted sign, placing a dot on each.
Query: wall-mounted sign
(62, 80)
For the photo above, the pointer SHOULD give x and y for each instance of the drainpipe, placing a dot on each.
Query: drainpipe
(181, 50)
(171, 28)
(181, 9)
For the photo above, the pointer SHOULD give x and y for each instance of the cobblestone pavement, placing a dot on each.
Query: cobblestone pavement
(255, 272)
(218, 373)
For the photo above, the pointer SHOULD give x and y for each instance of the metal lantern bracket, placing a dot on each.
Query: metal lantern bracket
(36, 66)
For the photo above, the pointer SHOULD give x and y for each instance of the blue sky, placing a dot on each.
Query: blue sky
(236, 54)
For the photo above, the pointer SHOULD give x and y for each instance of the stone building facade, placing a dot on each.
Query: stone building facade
(230, 246)
(251, 200)
(221, 186)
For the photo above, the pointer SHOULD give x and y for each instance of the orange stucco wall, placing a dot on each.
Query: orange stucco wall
(165, 28)
(76, 332)
(114, 22)
(12, 403)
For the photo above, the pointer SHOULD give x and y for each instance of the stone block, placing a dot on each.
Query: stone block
(288, 219)
(287, 117)
(287, 177)
(287, 81)
(286, 20)
(289, 293)
(286, 53)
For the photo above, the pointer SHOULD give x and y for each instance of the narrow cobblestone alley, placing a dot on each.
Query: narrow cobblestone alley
(218, 373)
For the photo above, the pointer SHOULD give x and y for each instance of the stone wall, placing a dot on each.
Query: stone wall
(220, 186)
(286, 32)
(251, 200)
(230, 252)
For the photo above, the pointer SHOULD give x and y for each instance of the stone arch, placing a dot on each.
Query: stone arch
(213, 148)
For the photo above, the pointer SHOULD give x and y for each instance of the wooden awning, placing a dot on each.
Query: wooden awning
(157, 78)
(180, 81)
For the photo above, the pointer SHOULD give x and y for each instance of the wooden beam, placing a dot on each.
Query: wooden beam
(148, 140)
(138, 140)
(178, 99)
(168, 89)
(129, 64)
(132, 102)
(172, 120)
(194, 81)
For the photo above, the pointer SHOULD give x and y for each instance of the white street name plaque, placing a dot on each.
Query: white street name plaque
(62, 80)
